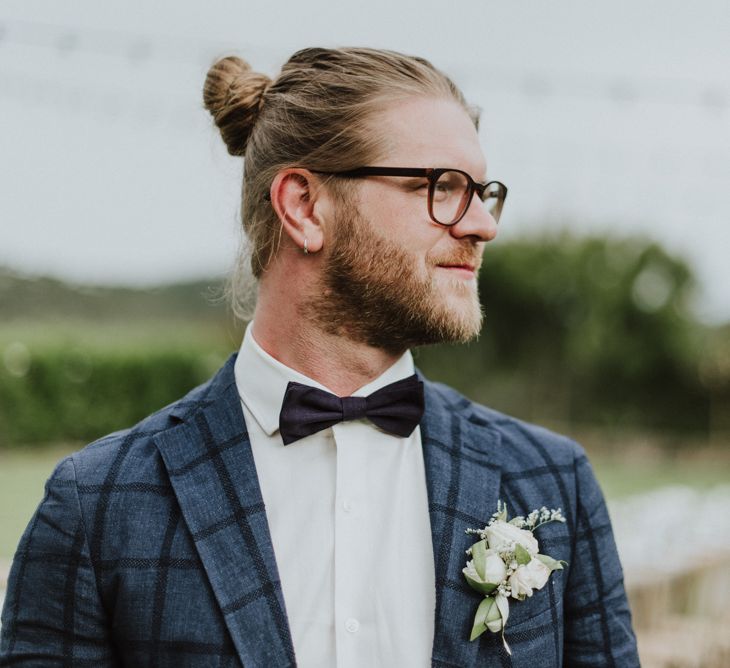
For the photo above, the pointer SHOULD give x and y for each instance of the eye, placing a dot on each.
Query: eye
(419, 186)
(450, 184)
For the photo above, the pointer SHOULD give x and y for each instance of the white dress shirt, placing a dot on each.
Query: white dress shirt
(348, 513)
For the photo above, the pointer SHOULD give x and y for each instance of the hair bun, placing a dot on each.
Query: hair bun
(233, 94)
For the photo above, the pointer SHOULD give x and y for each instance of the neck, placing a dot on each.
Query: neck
(338, 363)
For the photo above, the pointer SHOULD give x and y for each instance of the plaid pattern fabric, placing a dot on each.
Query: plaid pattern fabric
(151, 546)
(475, 457)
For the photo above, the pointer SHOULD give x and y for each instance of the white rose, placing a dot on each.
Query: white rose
(528, 577)
(494, 569)
(521, 583)
(539, 573)
(471, 571)
(501, 533)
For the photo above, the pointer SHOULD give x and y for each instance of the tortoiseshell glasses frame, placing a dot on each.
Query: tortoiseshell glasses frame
(450, 191)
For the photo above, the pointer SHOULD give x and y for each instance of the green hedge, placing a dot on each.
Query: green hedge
(62, 393)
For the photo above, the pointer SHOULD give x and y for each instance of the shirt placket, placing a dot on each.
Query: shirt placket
(354, 628)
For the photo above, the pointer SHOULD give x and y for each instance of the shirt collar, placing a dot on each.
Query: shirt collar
(261, 381)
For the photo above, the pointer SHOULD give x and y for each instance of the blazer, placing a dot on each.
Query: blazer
(151, 546)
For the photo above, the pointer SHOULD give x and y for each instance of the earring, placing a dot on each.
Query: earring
(306, 249)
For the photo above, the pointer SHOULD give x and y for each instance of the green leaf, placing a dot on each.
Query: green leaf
(522, 555)
(477, 631)
(552, 564)
(485, 588)
(480, 619)
(479, 556)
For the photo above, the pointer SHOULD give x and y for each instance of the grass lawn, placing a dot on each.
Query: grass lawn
(24, 472)
(625, 478)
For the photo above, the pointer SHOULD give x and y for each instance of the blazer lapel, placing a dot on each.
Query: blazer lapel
(212, 471)
(462, 477)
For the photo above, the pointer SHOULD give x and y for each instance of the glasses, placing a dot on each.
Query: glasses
(450, 191)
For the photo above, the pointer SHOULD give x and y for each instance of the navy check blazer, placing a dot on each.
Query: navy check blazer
(151, 546)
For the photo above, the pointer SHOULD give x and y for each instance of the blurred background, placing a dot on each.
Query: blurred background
(606, 293)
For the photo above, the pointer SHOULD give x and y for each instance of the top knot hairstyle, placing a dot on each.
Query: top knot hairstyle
(234, 94)
(317, 113)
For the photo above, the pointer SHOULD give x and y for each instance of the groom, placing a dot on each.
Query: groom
(309, 504)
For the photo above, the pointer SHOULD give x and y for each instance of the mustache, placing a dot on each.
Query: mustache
(463, 256)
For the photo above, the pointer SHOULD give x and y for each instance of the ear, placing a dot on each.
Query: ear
(294, 193)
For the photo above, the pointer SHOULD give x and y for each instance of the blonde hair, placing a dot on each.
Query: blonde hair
(316, 114)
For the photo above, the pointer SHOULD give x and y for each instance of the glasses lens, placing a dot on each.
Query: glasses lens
(493, 199)
(449, 197)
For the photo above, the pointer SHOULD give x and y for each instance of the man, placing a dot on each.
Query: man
(309, 504)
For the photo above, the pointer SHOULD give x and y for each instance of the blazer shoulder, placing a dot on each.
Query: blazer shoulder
(133, 448)
(521, 441)
(525, 436)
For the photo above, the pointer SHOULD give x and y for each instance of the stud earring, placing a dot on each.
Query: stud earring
(306, 247)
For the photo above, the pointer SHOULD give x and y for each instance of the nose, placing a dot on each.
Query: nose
(477, 222)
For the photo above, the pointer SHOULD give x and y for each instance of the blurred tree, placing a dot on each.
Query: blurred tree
(715, 377)
(595, 330)
(586, 330)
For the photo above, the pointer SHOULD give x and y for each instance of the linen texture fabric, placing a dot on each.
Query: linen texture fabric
(151, 546)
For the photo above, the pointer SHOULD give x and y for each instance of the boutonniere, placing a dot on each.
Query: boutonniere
(505, 563)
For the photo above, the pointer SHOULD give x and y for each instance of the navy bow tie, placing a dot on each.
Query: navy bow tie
(396, 408)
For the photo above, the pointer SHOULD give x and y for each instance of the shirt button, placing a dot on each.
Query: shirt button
(346, 506)
(352, 625)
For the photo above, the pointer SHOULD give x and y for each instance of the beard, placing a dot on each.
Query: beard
(371, 291)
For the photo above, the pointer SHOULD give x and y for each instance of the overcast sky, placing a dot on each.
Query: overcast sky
(606, 116)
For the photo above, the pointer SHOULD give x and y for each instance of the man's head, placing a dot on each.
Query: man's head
(388, 274)
(392, 277)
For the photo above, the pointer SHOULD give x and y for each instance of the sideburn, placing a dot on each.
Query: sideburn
(371, 293)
